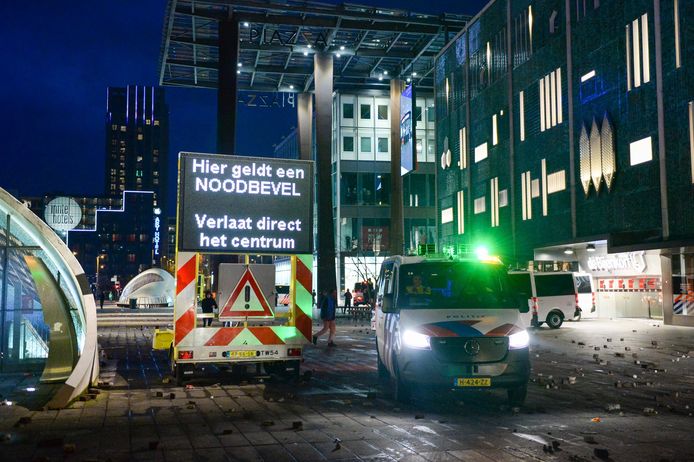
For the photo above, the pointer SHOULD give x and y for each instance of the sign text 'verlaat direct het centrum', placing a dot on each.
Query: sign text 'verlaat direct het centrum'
(232, 204)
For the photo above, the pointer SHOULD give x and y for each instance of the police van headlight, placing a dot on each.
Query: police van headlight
(518, 340)
(414, 339)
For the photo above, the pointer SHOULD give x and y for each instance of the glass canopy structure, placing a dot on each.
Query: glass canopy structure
(47, 310)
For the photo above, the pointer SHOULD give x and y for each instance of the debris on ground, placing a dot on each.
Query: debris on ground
(611, 407)
(649, 411)
(590, 439)
(596, 419)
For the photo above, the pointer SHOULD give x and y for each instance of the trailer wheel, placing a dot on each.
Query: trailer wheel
(178, 374)
(286, 371)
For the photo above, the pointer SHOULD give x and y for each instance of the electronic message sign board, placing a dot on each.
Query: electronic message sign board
(408, 131)
(235, 204)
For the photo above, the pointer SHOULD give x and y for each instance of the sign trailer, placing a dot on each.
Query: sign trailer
(242, 206)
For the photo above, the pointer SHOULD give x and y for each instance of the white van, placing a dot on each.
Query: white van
(452, 323)
(551, 297)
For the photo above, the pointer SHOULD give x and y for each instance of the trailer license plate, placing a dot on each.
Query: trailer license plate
(473, 382)
(243, 354)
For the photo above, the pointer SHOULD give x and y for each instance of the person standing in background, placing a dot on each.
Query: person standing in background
(348, 301)
(328, 307)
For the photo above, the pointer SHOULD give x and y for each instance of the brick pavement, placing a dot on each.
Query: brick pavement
(344, 413)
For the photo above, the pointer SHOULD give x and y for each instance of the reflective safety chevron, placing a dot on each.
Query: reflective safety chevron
(184, 304)
(302, 279)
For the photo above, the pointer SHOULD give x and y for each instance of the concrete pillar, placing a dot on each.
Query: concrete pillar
(227, 84)
(662, 159)
(323, 82)
(305, 125)
(396, 207)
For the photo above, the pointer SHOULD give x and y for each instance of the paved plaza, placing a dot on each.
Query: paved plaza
(602, 390)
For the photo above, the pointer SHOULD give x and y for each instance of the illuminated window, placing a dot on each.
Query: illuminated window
(140, 137)
(148, 122)
(114, 127)
(462, 163)
(551, 113)
(481, 152)
(641, 151)
(480, 205)
(447, 215)
(503, 198)
(638, 52)
(556, 182)
(156, 122)
(521, 109)
(494, 201)
(461, 212)
(122, 128)
(495, 130)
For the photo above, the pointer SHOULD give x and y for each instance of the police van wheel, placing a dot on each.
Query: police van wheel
(382, 370)
(516, 396)
(401, 389)
(554, 320)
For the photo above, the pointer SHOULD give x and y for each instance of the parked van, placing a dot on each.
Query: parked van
(452, 323)
(552, 297)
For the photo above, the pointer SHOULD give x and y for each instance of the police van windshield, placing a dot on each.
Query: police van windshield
(434, 285)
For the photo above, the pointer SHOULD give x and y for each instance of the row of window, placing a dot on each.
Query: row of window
(374, 189)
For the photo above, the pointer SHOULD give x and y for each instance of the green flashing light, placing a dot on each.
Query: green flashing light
(482, 252)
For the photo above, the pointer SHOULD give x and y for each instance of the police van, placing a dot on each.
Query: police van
(451, 322)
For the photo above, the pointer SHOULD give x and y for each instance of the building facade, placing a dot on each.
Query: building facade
(361, 154)
(565, 136)
(137, 142)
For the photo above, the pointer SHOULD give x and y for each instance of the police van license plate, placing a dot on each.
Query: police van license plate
(473, 382)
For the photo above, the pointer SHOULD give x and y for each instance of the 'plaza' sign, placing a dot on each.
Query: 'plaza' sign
(234, 204)
(265, 36)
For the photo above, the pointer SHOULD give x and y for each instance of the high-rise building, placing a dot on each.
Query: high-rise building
(137, 141)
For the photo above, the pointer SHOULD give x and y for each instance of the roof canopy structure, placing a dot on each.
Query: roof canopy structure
(277, 41)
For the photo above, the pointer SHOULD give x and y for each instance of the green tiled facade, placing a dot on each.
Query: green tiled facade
(578, 57)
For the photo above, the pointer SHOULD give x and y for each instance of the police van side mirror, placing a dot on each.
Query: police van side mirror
(387, 303)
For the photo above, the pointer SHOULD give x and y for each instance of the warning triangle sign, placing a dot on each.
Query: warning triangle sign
(246, 300)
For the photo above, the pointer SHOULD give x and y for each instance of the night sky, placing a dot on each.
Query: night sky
(59, 57)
